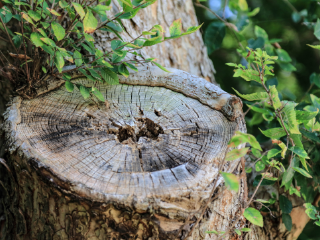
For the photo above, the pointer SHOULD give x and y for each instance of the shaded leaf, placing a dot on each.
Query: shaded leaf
(69, 86)
(286, 219)
(285, 204)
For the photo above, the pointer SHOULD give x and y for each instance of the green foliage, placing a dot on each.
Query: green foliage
(253, 216)
(72, 42)
(231, 181)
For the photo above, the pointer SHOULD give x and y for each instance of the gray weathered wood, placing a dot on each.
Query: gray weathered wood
(154, 147)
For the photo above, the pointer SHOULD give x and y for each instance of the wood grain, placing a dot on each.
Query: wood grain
(151, 146)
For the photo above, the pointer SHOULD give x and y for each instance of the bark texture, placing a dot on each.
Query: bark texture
(140, 167)
(187, 53)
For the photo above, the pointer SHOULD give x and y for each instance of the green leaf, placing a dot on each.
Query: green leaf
(274, 133)
(117, 45)
(161, 67)
(27, 18)
(212, 231)
(317, 29)
(90, 23)
(256, 152)
(303, 172)
(231, 181)
(34, 15)
(243, 5)
(63, 4)
(260, 166)
(79, 9)
(315, 101)
(283, 55)
(275, 97)
(131, 66)
(273, 152)
(48, 41)
(260, 32)
(293, 190)
(214, 35)
(101, 9)
(311, 135)
(128, 15)
(236, 153)
(59, 61)
(241, 138)
(265, 182)
(77, 58)
(311, 211)
(254, 12)
(283, 149)
(36, 39)
(69, 86)
(58, 30)
(94, 74)
(98, 94)
(314, 46)
(290, 116)
(253, 96)
(253, 216)
(175, 28)
(84, 92)
(44, 69)
(191, 30)
(305, 115)
(245, 229)
(286, 219)
(285, 204)
(123, 70)
(54, 12)
(315, 78)
(238, 232)
(109, 76)
(299, 151)
(297, 139)
(116, 58)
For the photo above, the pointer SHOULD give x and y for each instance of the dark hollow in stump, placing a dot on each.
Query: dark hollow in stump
(139, 166)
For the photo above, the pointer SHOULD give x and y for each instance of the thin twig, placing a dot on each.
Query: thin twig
(5, 28)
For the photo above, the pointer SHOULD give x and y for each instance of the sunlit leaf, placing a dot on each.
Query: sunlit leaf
(253, 216)
(58, 30)
(175, 28)
(231, 181)
(90, 23)
(84, 92)
(79, 9)
(236, 153)
(303, 172)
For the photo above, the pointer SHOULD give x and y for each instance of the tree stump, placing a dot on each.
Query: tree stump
(140, 166)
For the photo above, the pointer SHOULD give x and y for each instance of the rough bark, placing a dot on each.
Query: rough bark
(187, 53)
(36, 203)
(140, 167)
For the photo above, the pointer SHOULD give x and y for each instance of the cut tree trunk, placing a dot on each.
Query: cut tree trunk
(67, 173)
(140, 166)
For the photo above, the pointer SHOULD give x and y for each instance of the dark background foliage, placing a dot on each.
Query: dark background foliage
(292, 22)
